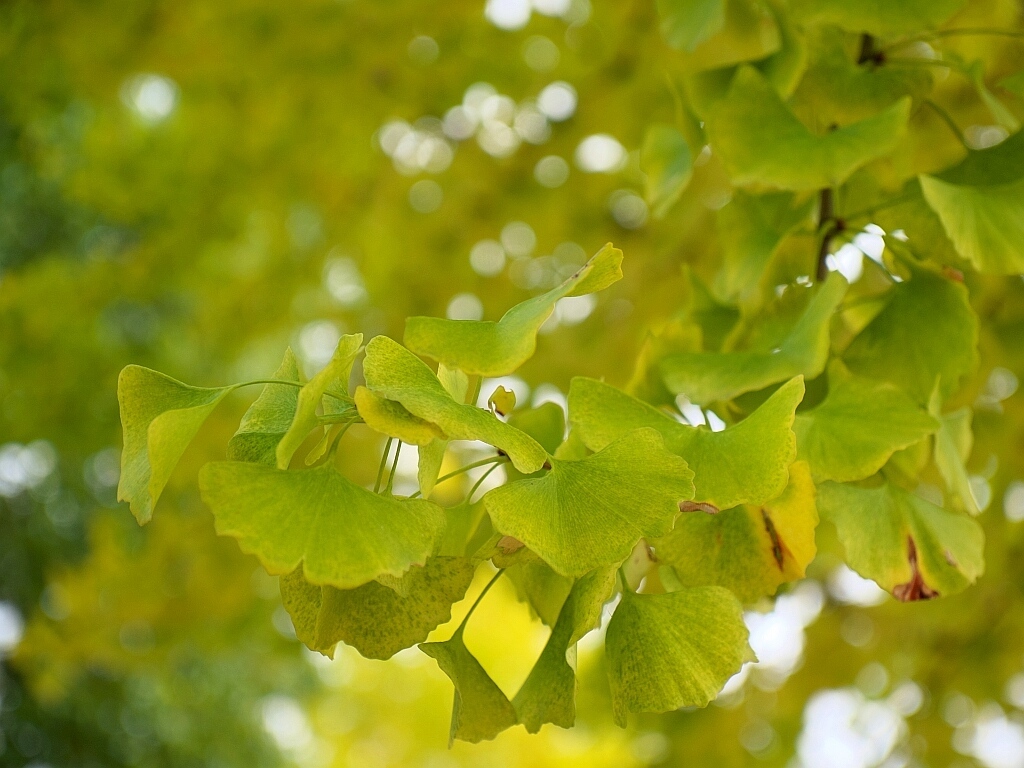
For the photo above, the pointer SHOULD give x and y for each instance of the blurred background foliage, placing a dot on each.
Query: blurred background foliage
(192, 186)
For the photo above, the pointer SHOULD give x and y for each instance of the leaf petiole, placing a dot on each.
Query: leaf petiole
(383, 464)
(394, 468)
(299, 384)
(472, 608)
(460, 470)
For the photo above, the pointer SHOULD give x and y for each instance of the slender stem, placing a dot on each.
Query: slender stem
(474, 389)
(949, 121)
(394, 467)
(383, 463)
(469, 498)
(479, 597)
(466, 468)
(287, 383)
(337, 439)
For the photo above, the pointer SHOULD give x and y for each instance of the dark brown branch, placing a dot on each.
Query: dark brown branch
(828, 227)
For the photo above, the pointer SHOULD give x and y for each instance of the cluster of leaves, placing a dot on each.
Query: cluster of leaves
(817, 112)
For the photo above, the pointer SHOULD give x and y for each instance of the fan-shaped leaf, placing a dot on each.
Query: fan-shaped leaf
(390, 418)
(343, 534)
(268, 418)
(588, 513)
(953, 443)
(488, 348)
(665, 159)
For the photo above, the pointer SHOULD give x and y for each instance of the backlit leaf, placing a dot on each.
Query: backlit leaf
(489, 348)
(673, 650)
(749, 32)
(374, 619)
(926, 330)
(159, 416)
(331, 384)
(981, 205)
(667, 164)
(687, 23)
(480, 711)
(549, 693)
(858, 426)
(588, 513)
(539, 585)
(876, 17)
(762, 142)
(343, 534)
(909, 546)
(707, 377)
(268, 418)
(395, 373)
(751, 550)
(953, 443)
(431, 455)
(390, 418)
(747, 463)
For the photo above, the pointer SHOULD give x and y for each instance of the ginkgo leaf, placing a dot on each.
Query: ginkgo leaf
(268, 418)
(747, 463)
(706, 377)
(667, 164)
(374, 619)
(953, 443)
(876, 17)
(395, 373)
(489, 348)
(926, 330)
(463, 531)
(687, 23)
(390, 418)
(159, 416)
(751, 550)
(330, 384)
(343, 534)
(673, 650)
(431, 455)
(480, 710)
(981, 205)
(909, 546)
(588, 513)
(761, 141)
(748, 32)
(545, 424)
(539, 585)
(549, 693)
(858, 426)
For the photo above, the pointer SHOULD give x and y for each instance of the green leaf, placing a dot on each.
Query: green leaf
(858, 426)
(876, 17)
(687, 23)
(667, 164)
(549, 693)
(390, 418)
(502, 401)
(673, 650)
(431, 455)
(750, 550)
(981, 205)
(159, 416)
(749, 32)
(395, 373)
(545, 424)
(331, 386)
(343, 534)
(953, 443)
(374, 619)
(762, 142)
(463, 529)
(909, 546)
(488, 348)
(541, 587)
(926, 330)
(480, 711)
(706, 377)
(268, 418)
(588, 513)
(747, 463)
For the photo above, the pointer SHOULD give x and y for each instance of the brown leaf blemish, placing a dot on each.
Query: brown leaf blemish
(698, 506)
(915, 589)
(777, 549)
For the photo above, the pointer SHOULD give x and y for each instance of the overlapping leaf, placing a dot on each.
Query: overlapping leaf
(489, 348)
(549, 693)
(706, 377)
(395, 373)
(390, 418)
(751, 550)
(376, 620)
(981, 205)
(858, 426)
(268, 418)
(480, 710)
(343, 534)
(588, 513)
(926, 330)
(329, 386)
(909, 546)
(747, 463)
(673, 650)
(762, 142)
(160, 416)
(953, 442)
(708, 39)
(667, 163)
(877, 17)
